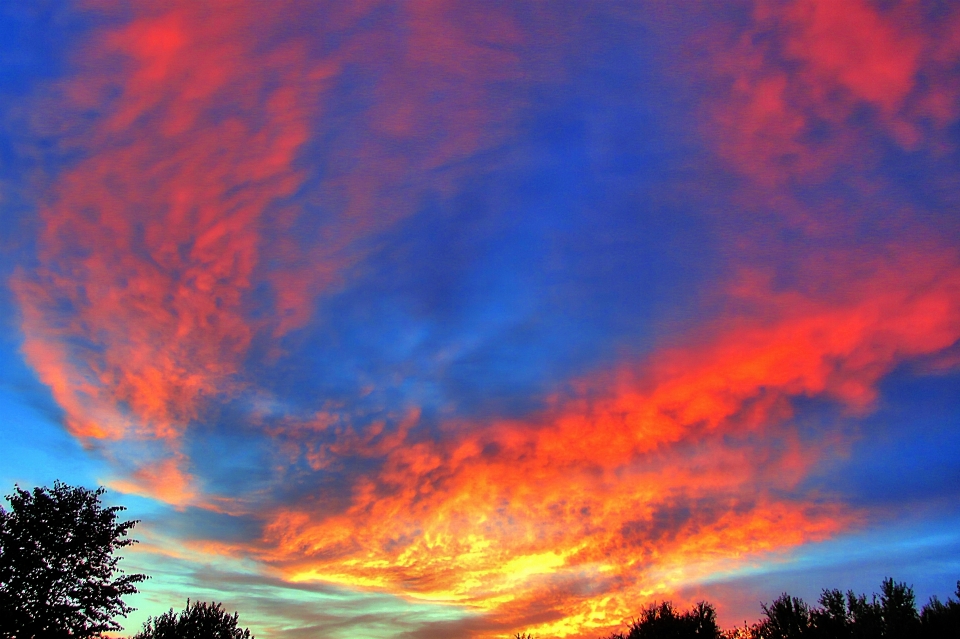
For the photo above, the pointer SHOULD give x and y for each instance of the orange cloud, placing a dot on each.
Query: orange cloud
(187, 124)
(164, 480)
(642, 482)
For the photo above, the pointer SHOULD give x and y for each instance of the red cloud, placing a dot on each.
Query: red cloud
(810, 86)
(872, 54)
(189, 123)
(150, 241)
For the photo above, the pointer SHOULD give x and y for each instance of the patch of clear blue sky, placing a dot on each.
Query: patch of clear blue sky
(34, 37)
(555, 257)
(36, 447)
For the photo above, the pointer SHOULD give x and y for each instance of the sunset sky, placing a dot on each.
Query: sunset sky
(439, 319)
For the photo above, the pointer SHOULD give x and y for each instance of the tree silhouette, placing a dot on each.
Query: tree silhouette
(940, 620)
(832, 619)
(786, 618)
(891, 615)
(663, 621)
(199, 620)
(58, 571)
(866, 617)
(899, 610)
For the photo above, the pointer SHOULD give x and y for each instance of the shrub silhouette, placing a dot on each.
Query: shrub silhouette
(199, 620)
(58, 572)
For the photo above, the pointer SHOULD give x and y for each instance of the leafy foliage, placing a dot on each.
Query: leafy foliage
(58, 571)
(199, 620)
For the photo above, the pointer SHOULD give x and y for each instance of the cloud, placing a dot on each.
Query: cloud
(642, 481)
(172, 236)
(809, 88)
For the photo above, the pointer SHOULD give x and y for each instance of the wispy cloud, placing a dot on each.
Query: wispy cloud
(174, 239)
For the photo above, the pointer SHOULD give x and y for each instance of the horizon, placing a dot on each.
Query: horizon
(446, 318)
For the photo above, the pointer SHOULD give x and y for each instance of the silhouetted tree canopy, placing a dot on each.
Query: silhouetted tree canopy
(663, 621)
(199, 620)
(832, 618)
(58, 571)
(786, 618)
(890, 615)
(939, 620)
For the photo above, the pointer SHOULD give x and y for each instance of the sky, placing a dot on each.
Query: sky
(457, 319)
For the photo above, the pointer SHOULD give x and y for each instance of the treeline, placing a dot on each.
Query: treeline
(892, 614)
